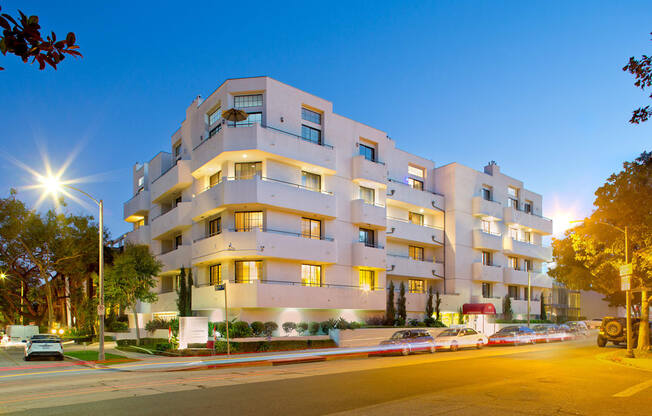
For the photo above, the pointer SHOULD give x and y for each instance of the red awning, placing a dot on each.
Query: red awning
(479, 309)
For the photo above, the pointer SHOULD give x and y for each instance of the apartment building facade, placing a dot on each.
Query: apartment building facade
(302, 213)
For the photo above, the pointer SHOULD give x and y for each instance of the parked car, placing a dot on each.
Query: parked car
(513, 335)
(409, 341)
(547, 333)
(614, 330)
(456, 338)
(44, 346)
(578, 328)
(594, 323)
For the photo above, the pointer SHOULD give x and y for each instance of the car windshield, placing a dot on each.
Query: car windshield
(449, 333)
(508, 329)
(399, 335)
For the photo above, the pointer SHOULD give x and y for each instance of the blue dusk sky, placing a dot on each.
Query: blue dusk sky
(535, 86)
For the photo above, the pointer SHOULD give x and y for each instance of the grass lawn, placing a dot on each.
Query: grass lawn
(90, 355)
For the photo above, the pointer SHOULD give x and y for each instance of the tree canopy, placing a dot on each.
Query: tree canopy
(642, 70)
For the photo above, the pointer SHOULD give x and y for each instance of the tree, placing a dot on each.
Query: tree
(130, 279)
(390, 310)
(508, 313)
(460, 315)
(542, 313)
(182, 297)
(189, 293)
(642, 71)
(401, 311)
(429, 307)
(438, 307)
(589, 256)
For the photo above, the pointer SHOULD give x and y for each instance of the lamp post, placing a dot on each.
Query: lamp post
(3, 276)
(630, 353)
(53, 185)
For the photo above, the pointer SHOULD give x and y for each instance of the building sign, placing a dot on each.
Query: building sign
(626, 270)
(625, 282)
(192, 330)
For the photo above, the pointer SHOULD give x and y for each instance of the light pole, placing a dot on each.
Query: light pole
(3, 276)
(53, 185)
(630, 353)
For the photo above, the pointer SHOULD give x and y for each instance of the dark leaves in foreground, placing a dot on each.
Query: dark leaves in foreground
(642, 71)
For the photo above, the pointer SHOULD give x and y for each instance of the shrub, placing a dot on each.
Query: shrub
(342, 324)
(327, 325)
(118, 326)
(302, 327)
(258, 328)
(240, 329)
(413, 322)
(163, 346)
(313, 328)
(289, 327)
(158, 323)
(270, 327)
(355, 325)
(375, 320)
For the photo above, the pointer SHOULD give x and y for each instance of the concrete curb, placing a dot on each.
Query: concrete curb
(613, 358)
(85, 363)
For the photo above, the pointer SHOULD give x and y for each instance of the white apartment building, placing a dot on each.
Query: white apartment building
(307, 215)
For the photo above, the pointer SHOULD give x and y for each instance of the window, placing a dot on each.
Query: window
(486, 258)
(310, 275)
(486, 193)
(526, 294)
(177, 151)
(527, 265)
(248, 170)
(248, 221)
(469, 331)
(311, 116)
(416, 253)
(178, 241)
(416, 286)
(487, 290)
(512, 291)
(215, 116)
(311, 228)
(214, 179)
(367, 237)
(166, 284)
(244, 101)
(415, 218)
(511, 202)
(214, 226)
(512, 262)
(513, 233)
(311, 181)
(141, 183)
(526, 236)
(177, 201)
(215, 274)
(416, 171)
(415, 184)
(368, 152)
(527, 207)
(248, 271)
(486, 226)
(310, 134)
(512, 194)
(139, 223)
(367, 195)
(252, 118)
(367, 279)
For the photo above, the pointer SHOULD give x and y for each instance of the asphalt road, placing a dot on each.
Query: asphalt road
(565, 378)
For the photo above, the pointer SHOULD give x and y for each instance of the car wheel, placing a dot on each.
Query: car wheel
(60, 358)
(405, 351)
(454, 346)
(480, 344)
(26, 358)
(602, 342)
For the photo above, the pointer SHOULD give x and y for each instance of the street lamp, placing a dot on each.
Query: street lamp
(630, 353)
(54, 185)
(3, 276)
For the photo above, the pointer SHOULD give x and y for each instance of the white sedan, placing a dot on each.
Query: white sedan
(456, 338)
(44, 346)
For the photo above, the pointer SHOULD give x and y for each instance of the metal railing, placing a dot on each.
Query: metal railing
(407, 221)
(370, 245)
(408, 185)
(294, 283)
(268, 230)
(266, 179)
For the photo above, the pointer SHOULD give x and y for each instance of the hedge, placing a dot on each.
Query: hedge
(143, 341)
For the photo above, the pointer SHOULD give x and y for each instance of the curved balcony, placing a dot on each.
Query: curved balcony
(366, 214)
(175, 220)
(367, 170)
(539, 224)
(176, 178)
(140, 236)
(267, 139)
(137, 207)
(174, 259)
(166, 302)
(487, 241)
(490, 210)
(367, 256)
(405, 231)
(487, 273)
(519, 277)
(528, 250)
(402, 192)
(267, 244)
(398, 265)
(264, 191)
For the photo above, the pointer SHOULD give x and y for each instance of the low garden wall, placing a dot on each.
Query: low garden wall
(367, 337)
(131, 334)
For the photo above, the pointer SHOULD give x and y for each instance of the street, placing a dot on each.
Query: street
(559, 378)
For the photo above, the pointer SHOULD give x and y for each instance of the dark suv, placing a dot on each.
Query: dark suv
(614, 330)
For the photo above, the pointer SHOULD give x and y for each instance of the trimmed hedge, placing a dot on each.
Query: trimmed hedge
(143, 341)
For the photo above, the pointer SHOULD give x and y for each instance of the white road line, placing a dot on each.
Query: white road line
(634, 389)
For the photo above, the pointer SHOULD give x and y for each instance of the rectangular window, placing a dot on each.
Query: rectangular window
(416, 171)
(311, 228)
(367, 279)
(511, 202)
(366, 236)
(512, 192)
(310, 275)
(248, 271)
(513, 233)
(214, 226)
(214, 179)
(513, 292)
(311, 181)
(416, 286)
(166, 284)
(141, 183)
(415, 218)
(486, 258)
(310, 134)
(248, 170)
(527, 207)
(178, 241)
(215, 116)
(512, 262)
(252, 118)
(368, 195)
(139, 223)
(526, 295)
(177, 151)
(527, 236)
(248, 221)
(527, 265)
(487, 290)
(244, 101)
(416, 253)
(415, 184)
(486, 193)
(368, 152)
(311, 116)
(177, 201)
(486, 226)
(215, 274)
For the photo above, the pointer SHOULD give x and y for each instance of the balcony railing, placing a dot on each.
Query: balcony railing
(416, 189)
(169, 168)
(267, 179)
(370, 245)
(291, 283)
(268, 230)
(403, 256)
(434, 227)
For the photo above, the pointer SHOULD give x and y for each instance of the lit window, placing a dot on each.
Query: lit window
(310, 275)
(415, 184)
(248, 221)
(214, 226)
(367, 195)
(415, 218)
(486, 226)
(311, 116)
(248, 170)
(416, 286)
(527, 236)
(368, 152)
(215, 116)
(512, 262)
(416, 253)
(513, 233)
(311, 181)
(248, 271)
(310, 228)
(244, 101)
(416, 171)
(215, 178)
(215, 274)
(367, 279)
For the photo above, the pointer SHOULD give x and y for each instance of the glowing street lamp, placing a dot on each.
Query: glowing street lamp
(3, 276)
(53, 185)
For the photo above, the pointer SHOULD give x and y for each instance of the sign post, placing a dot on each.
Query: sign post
(626, 271)
(226, 316)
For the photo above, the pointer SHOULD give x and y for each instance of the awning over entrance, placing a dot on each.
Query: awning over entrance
(479, 309)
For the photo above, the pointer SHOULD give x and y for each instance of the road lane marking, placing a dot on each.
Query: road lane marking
(634, 389)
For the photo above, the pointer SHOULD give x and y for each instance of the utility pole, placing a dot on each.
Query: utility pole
(628, 301)
(529, 295)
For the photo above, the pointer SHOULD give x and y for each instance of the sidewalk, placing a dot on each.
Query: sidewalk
(641, 363)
